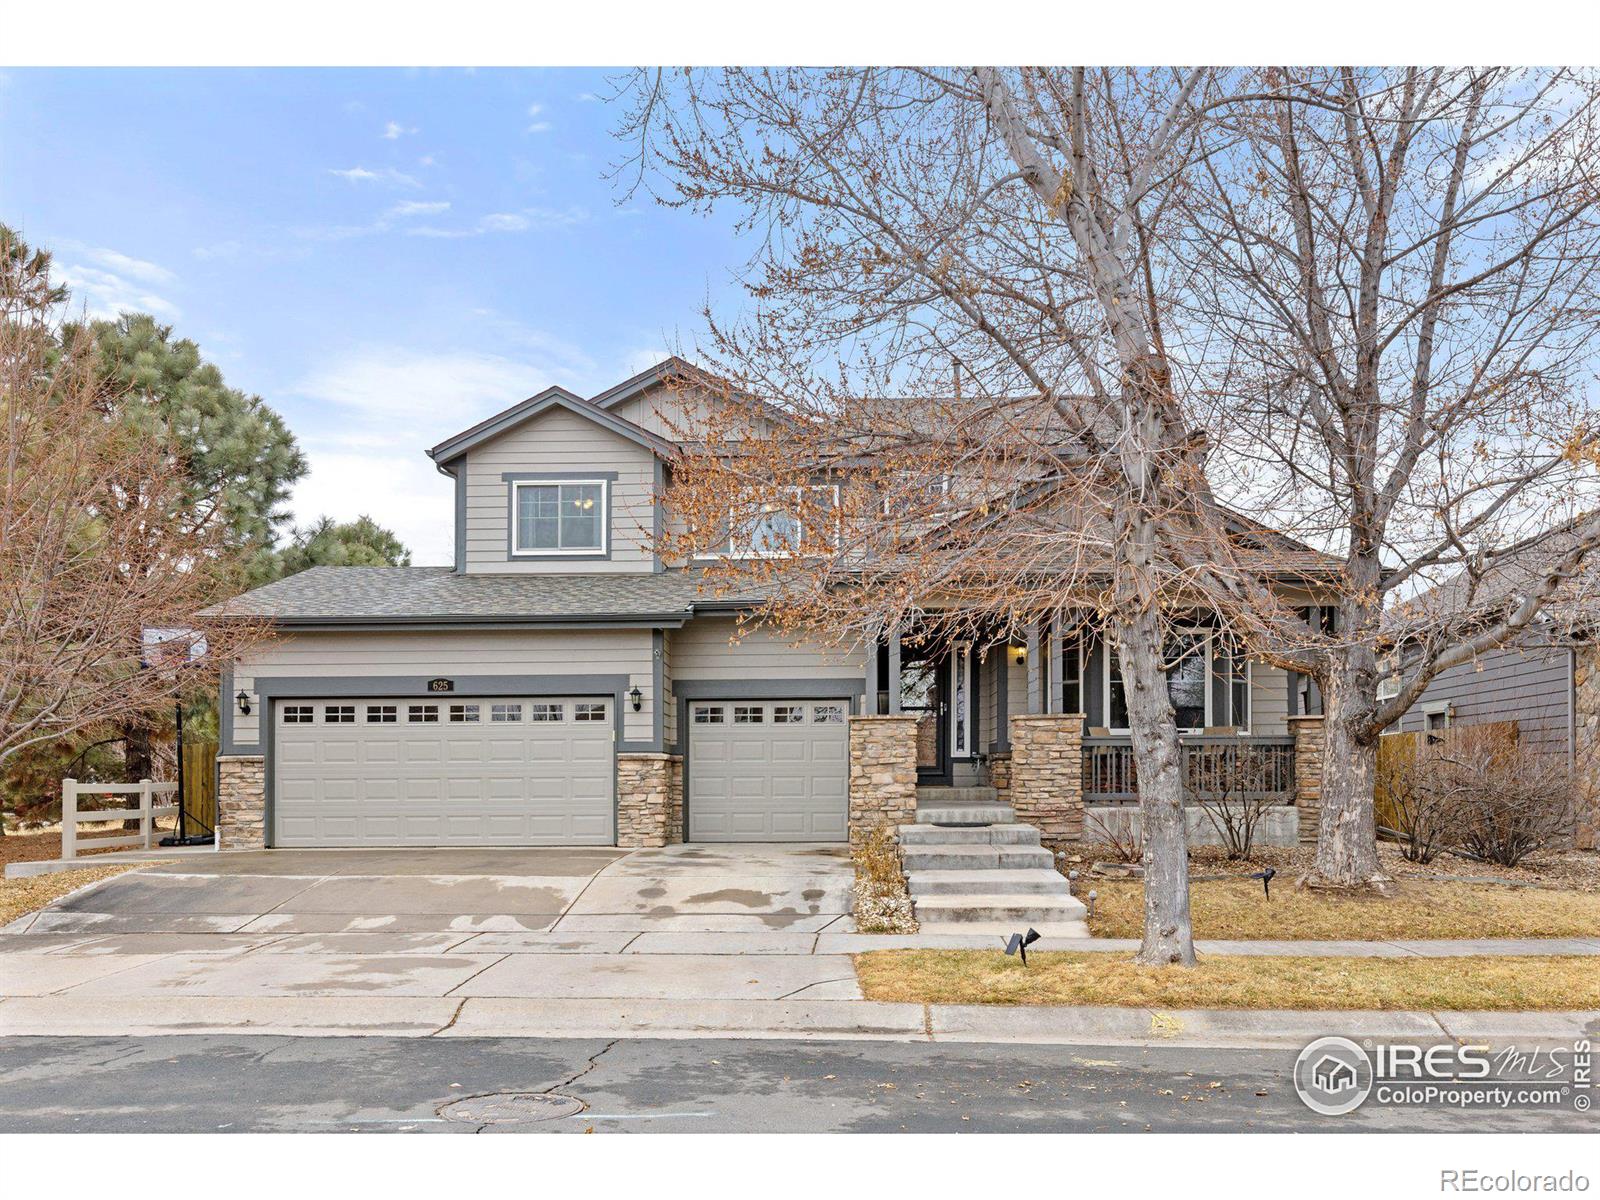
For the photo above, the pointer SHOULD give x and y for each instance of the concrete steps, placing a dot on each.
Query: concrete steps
(975, 858)
(1007, 833)
(938, 797)
(965, 814)
(978, 907)
(1018, 882)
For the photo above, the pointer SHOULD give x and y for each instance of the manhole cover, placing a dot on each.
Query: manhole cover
(505, 1108)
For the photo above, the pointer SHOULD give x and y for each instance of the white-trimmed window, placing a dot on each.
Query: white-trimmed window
(464, 714)
(559, 516)
(505, 714)
(588, 712)
(709, 714)
(298, 714)
(827, 714)
(788, 714)
(422, 714)
(775, 528)
(546, 712)
(382, 714)
(748, 714)
(339, 714)
(1189, 675)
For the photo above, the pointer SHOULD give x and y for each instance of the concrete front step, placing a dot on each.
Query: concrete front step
(981, 835)
(1036, 882)
(973, 858)
(964, 909)
(938, 796)
(965, 814)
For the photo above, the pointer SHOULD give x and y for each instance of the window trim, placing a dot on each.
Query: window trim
(732, 554)
(602, 481)
(1209, 637)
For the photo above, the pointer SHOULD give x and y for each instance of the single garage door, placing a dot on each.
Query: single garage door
(488, 771)
(768, 771)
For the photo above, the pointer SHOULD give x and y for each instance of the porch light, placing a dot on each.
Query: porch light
(243, 700)
(636, 698)
(1022, 654)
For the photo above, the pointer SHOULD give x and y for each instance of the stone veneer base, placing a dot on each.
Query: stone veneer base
(649, 797)
(241, 802)
(883, 772)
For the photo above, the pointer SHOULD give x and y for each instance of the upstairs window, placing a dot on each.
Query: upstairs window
(559, 517)
(776, 528)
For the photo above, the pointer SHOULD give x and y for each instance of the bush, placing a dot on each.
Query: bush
(1235, 785)
(882, 904)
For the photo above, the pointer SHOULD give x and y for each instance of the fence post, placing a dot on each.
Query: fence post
(69, 817)
(146, 819)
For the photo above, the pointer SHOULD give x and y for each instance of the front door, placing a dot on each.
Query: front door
(924, 679)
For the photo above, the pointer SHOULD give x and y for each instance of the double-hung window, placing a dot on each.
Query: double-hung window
(558, 517)
(1189, 669)
(776, 526)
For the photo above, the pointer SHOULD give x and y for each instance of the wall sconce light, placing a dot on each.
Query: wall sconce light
(243, 700)
(636, 698)
(1022, 654)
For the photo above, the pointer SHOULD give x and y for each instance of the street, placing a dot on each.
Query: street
(209, 1083)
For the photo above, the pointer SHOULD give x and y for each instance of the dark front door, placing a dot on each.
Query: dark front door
(924, 678)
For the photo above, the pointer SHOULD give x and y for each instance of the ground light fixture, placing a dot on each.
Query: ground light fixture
(1266, 880)
(1020, 942)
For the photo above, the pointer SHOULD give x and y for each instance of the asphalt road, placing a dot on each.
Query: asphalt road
(266, 1084)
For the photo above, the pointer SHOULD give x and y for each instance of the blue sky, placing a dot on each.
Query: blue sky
(385, 256)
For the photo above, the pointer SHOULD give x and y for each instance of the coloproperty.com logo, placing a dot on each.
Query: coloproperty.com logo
(1335, 1075)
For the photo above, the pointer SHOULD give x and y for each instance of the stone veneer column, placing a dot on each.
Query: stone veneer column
(241, 802)
(1000, 775)
(1586, 750)
(883, 772)
(1047, 773)
(1309, 739)
(676, 833)
(644, 800)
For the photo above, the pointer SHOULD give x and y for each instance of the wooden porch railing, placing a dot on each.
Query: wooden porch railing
(1247, 768)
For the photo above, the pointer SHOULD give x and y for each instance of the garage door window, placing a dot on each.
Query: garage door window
(708, 714)
(339, 714)
(747, 714)
(502, 714)
(381, 714)
(827, 714)
(788, 714)
(589, 712)
(297, 714)
(545, 712)
(423, 714)
(463, 714)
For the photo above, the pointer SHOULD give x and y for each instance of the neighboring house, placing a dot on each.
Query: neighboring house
(562, 684)
(1547, 680)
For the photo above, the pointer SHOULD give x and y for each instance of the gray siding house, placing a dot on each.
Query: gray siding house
(560, 683)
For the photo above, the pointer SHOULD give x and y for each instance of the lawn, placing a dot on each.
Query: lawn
(1237, 909)
(19, 897)
(1231, 981)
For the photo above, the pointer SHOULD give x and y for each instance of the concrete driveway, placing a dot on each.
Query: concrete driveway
(433, 929)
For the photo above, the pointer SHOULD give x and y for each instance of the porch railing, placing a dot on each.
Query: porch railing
(1214, 767)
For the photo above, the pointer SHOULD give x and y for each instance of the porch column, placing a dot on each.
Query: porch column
(1002, 696)
(869, 699)
(894, 673)
(1035, 671)
(1046, 776)
(883, 773)
(1309, 740)
(1052, 680)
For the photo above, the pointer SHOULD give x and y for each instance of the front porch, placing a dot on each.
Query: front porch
(1038, 725)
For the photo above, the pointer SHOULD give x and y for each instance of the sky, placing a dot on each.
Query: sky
(385, 256)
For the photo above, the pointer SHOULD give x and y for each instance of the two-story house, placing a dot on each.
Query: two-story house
(561, 684)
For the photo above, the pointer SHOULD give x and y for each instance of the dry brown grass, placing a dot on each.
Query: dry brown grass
(18, 897)
(1237, 909)
(1231, 981)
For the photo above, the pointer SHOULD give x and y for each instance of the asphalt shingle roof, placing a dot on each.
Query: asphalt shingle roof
(348, 594)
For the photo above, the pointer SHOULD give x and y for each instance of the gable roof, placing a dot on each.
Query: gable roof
(643, 382)
(534, 406)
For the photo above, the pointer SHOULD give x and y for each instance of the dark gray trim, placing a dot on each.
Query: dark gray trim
(1002, 698)
(460, 474)
(290, 687)
(642, 382)
(851, 691)
(1094, 682)
(658, 515)
(553, 397)
(607, 479)
(894, 673)
(658, 689)
(225, 711)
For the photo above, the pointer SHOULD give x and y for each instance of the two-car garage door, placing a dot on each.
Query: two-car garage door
(768, 771)
(490, 771)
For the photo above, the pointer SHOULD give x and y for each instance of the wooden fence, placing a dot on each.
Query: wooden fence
(200, 786)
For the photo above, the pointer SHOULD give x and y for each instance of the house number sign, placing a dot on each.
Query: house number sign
(441, 685)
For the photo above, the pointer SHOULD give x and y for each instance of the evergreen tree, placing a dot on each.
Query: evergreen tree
(329, 543)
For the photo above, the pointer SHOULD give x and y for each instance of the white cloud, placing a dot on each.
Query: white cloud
(103, 293)
(229, 249)
(536, 220)
(400, 491)
(503, 223)
(387, 175)
(537, 126)
(393, 131)
(418, 208)
(535, 109)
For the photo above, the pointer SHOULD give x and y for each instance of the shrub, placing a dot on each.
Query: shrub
(882, 904)
(1235, 785)
(1123, 837)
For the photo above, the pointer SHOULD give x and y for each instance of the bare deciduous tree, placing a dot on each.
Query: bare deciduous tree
(1005, 220)
(1398, 268)
(82, 575)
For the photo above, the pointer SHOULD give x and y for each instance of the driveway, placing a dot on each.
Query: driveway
(414, 934)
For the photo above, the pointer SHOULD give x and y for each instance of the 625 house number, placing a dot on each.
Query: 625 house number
(441, 685)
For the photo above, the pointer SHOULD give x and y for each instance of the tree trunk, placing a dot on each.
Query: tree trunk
(137, 757)
(1347, 835)
(1168, 934)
